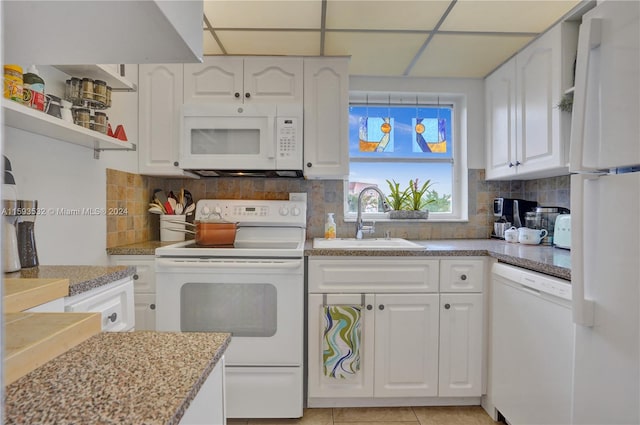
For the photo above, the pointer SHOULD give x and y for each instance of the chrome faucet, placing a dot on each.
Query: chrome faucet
(360, 227)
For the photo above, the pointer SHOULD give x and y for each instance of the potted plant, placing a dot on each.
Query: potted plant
(411, 202)
(397, 198)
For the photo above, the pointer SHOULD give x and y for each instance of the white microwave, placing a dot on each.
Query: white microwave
(256, 139)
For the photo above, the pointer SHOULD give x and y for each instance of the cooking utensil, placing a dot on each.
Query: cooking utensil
(210, 233)
(179, 208)
(190, 209)
(188, 198)
(172, 202)
(156, 210)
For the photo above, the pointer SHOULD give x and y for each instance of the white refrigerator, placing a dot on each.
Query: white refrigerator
(605, 213)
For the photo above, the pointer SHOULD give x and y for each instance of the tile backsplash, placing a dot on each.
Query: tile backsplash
(132, 191)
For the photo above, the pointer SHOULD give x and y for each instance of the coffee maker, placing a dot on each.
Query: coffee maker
(513, 210)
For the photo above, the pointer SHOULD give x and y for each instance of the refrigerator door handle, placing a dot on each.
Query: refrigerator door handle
(588, 41)
(582, 308)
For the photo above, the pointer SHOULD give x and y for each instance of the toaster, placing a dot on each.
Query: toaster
(562, 231)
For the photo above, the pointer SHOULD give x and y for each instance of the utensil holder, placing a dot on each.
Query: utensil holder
(172, 228)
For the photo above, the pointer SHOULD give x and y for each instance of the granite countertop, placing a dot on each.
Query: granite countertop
(112, 378)
(81, 278)
(544, 259)
(141, 248)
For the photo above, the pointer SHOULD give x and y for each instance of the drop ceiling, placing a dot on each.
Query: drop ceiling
(419, 38)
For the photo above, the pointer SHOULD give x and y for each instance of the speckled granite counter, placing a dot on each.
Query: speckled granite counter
(544, 259)
(81, 278)
(117, 378)
(141, 248)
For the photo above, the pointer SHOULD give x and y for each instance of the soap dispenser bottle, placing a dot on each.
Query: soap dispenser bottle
(330, 227)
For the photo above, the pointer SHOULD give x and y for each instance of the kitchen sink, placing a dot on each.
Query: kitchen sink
(373, 243)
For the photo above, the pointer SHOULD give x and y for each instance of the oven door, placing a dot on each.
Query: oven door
(259, 301)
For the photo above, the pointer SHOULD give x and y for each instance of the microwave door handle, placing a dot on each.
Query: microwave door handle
(271, 145)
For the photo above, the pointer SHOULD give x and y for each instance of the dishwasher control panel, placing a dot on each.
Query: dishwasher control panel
(536, 281)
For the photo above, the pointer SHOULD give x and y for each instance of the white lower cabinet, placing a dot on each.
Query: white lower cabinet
(114, 301)
(406, 345)
(208, 406)
(417, 344)
(460, 345)
(144, 288)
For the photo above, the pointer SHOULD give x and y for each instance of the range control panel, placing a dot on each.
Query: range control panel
(256, 212)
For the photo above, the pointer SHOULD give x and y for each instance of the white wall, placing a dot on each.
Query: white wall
(61, 175)
(471, 90)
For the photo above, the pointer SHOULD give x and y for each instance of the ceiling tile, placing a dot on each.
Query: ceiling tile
(264, 13)
(471, 56)
(270, 42)
(374, 53)
(506, 16)
(375, 14)
(210, 46)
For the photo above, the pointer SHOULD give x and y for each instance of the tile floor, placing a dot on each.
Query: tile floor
(454, 415)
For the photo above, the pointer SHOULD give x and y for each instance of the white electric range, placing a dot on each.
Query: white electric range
(254, 290)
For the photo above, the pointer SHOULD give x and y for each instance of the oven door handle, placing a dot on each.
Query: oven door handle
(236, 264)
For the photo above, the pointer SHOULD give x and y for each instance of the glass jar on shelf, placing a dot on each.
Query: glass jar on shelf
(82, 117)
(86, 91)
(108, 102)
(72, 90)
(100, 121)
(100, 92)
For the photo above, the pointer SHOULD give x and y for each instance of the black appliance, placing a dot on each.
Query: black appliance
(513, 210)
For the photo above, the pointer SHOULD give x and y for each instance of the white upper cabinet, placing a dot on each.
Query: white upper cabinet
(90, 32)
(527, 134)
(500, 107)
(160, 98)
(326, 118)
(221, 79)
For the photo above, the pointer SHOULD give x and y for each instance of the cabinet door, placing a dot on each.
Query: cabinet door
(406, 345)
(144, 280)
(543, 70)
(145, 311)
(460, 345)
(326, 116)
(360, 384)
(273, 80)
(160, 98)
(500, 107)
(538, 91)
(218, 79)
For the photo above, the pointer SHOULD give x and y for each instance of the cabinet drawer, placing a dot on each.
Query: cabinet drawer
(144, 281)
(379, 275)
(114, 301)
(461, 275)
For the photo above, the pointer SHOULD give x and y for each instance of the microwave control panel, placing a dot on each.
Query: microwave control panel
(288, 139)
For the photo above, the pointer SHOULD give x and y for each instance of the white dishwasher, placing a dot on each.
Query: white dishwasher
(531, 345)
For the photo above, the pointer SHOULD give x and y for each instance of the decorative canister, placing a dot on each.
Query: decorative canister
(13, 82)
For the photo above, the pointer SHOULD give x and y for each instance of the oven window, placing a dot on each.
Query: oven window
(247, 310)
(225, 141)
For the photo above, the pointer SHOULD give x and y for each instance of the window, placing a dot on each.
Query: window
(402, 143)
